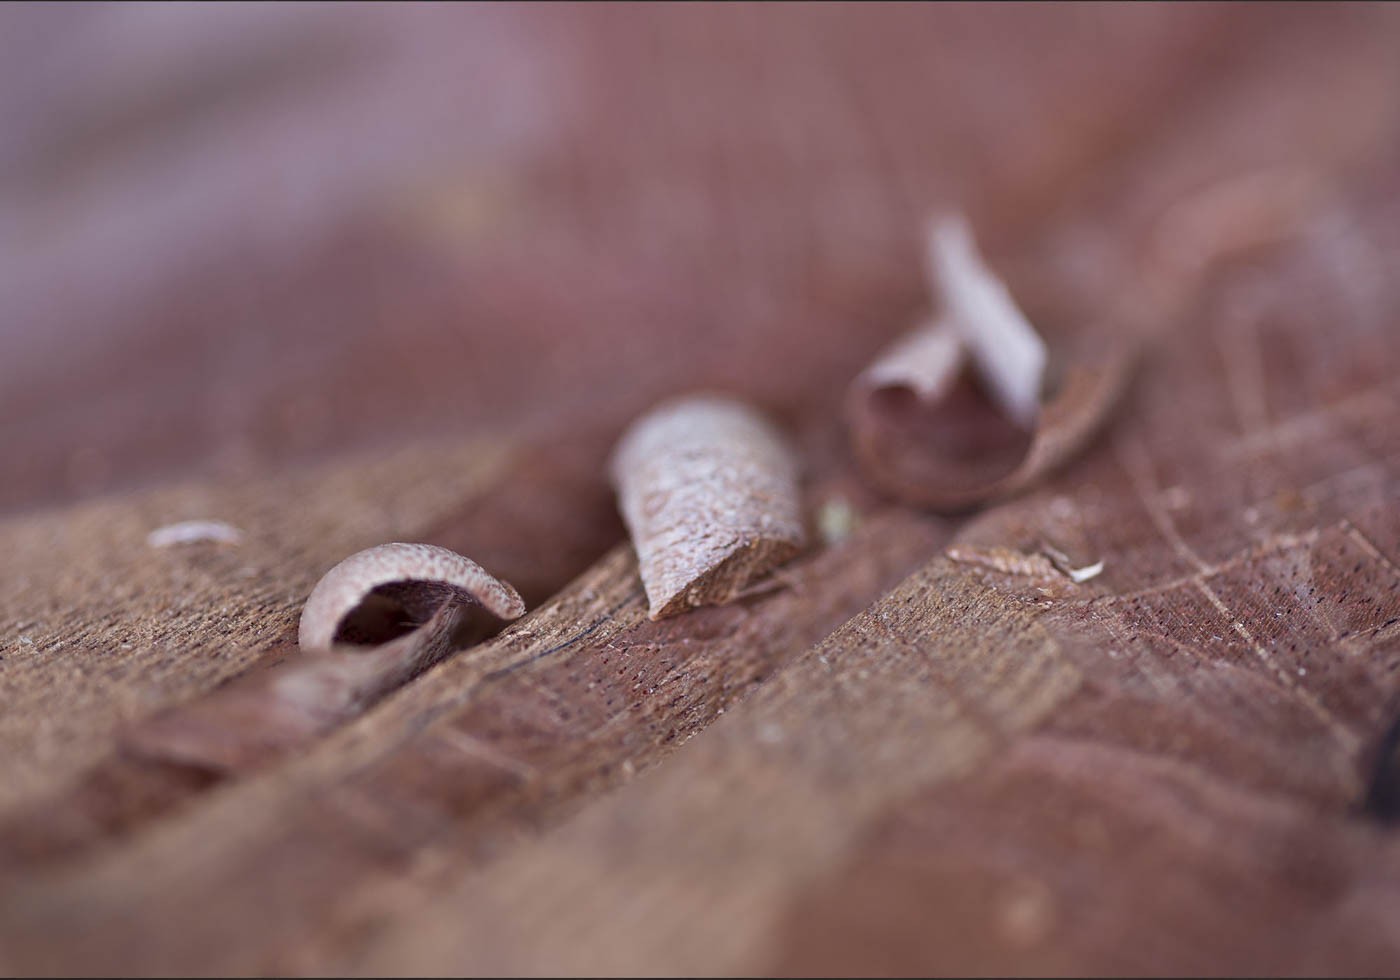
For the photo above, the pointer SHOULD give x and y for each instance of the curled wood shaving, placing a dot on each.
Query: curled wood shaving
(709, 492)
(416, 577)
(272, 709)
(926, 434)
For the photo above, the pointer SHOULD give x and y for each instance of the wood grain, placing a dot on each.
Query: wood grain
(924, 748)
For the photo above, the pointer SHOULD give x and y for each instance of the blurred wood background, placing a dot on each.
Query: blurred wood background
(345, 276)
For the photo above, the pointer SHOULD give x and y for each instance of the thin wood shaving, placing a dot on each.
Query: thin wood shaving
(709, 492)
(418, 577)
(955, 444)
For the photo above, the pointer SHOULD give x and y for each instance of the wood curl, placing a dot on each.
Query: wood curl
(966, 408)
(708, 489)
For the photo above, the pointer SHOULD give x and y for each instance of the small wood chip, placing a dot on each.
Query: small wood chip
(709, 492)
(192, 532)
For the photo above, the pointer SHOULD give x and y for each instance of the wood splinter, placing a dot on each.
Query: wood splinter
(930, 432)
(709, 491)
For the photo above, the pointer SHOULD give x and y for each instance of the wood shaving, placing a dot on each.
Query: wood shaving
(708, 489)
(192, 532)
(950, 446)
(416, 576)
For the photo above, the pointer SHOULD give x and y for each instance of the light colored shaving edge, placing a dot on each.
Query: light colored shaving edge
(1008, 352)
(926, 361)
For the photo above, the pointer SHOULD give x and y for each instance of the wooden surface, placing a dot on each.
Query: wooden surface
(405, 274)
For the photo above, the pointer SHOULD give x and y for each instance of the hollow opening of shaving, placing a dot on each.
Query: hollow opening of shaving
(929, 429)
(925, 398)
(964, 427)
(396, 609)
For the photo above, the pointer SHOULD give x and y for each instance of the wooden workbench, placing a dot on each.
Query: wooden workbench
(345, 277)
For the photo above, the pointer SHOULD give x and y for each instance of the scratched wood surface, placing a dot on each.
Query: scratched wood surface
(406, 275)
